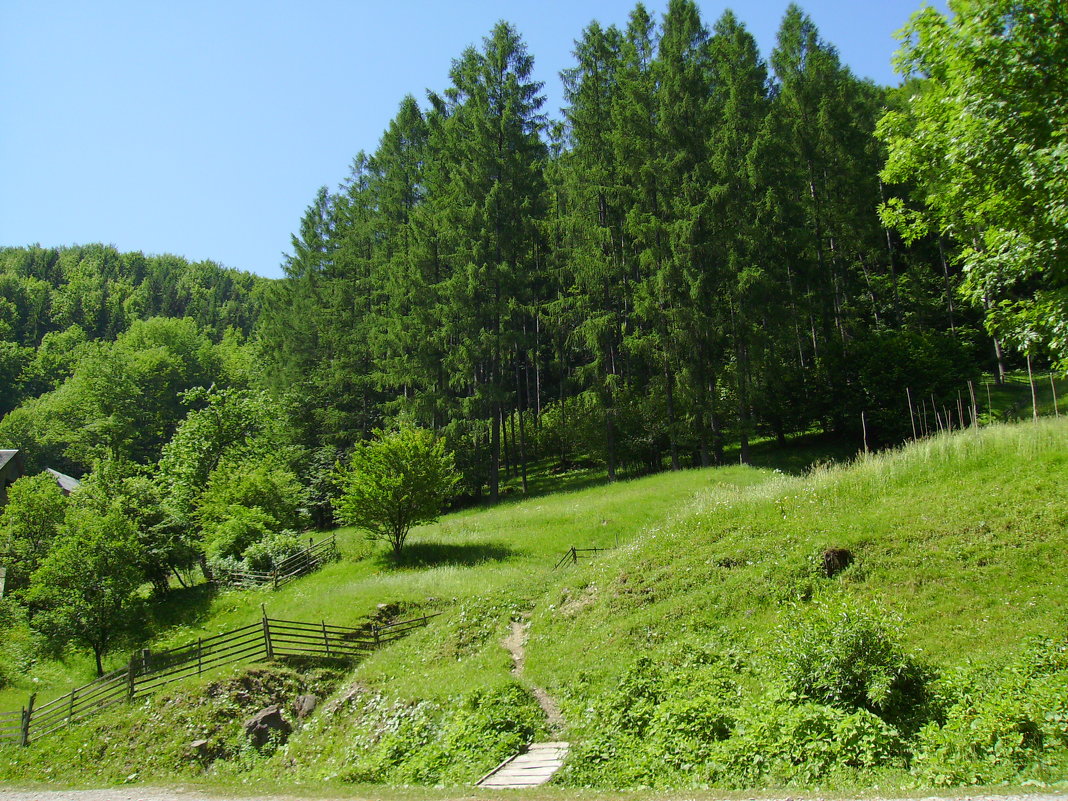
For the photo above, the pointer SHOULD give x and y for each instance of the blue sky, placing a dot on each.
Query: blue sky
(205, 128)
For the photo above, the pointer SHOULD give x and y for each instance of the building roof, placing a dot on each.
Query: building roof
(66, 483)
(6, 456)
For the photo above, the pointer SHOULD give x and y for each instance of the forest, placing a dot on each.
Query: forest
(705, 251)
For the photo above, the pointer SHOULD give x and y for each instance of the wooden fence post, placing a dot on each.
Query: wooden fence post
(131, 681)
(376, 635)
(27, 714)
(1052, 387)
(326, 640)
(267, 633)
(200, 655)
(912, 417)
(70, 709)
(975, 406)
(864, 427)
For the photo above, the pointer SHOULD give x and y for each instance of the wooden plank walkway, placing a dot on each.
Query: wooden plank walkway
(532, 768)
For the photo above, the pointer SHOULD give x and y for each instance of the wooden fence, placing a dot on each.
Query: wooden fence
(290, 568)
(148, 671)
(571, 555)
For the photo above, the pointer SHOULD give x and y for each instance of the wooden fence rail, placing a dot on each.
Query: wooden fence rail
(572, 555)
(290, 568)
(148, 671)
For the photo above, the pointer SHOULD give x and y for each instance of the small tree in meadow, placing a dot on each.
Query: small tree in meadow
(85, 591)
(398, 480)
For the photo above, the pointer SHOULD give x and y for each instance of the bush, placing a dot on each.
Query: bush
(804, 743)
(835, 653)
(263, 556)
(1001, 727)
(660, 726)
(230, 538)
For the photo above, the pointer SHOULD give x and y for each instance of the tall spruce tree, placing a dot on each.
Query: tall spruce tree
(491, 199)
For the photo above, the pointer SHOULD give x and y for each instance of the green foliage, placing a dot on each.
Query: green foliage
(1001, 726)
(836, 653)
(244, 501)
(29, 524)
(453, 742)
(694, 720)
(158, 730)
(264, 554)
(84, 591)
(980, 142)
(401, 479)
(223, 478)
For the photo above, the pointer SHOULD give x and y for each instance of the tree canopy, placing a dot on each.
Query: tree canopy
(980, 138)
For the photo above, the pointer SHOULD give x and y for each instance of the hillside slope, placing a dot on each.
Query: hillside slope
(709, 649)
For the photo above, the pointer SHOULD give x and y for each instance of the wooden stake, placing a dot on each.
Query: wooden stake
(1034, 391)
(27, 714)
(864, 426)
(1053, 389)
(975, 408)
(989, 403)
(267, 633)
(912, 417)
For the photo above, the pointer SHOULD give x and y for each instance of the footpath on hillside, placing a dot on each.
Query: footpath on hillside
(537, 765)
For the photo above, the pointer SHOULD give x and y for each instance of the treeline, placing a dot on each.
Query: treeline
(54, 300)
(690, 259)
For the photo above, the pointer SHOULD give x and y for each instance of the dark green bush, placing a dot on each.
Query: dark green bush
(1001, 726)
(837, 653)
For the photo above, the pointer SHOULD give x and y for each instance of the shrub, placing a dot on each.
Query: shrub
(1003, 726)
(264, 555)
(836, 653)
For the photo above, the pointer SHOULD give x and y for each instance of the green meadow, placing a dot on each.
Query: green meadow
(682, 649)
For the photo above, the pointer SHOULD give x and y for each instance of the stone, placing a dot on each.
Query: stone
(258, 728)
(305, 705)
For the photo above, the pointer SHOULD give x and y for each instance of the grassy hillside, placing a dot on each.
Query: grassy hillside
(708, 648)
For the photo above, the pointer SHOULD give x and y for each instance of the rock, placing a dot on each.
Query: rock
(259, 727)
(386, 612)
(305, 705)
(200, 749)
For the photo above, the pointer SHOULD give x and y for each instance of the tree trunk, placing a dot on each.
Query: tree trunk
(669, 385)
(999, 354)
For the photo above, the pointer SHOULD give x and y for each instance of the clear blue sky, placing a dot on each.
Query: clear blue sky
(204, 128)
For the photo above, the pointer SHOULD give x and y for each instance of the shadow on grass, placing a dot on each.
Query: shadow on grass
(181, 606)
(436, 554)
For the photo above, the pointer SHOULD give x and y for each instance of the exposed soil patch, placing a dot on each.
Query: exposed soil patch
(515, 642)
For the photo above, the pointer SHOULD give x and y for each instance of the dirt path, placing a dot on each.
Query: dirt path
(516, 642)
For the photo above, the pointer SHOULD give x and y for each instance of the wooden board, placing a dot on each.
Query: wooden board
(532, 768)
